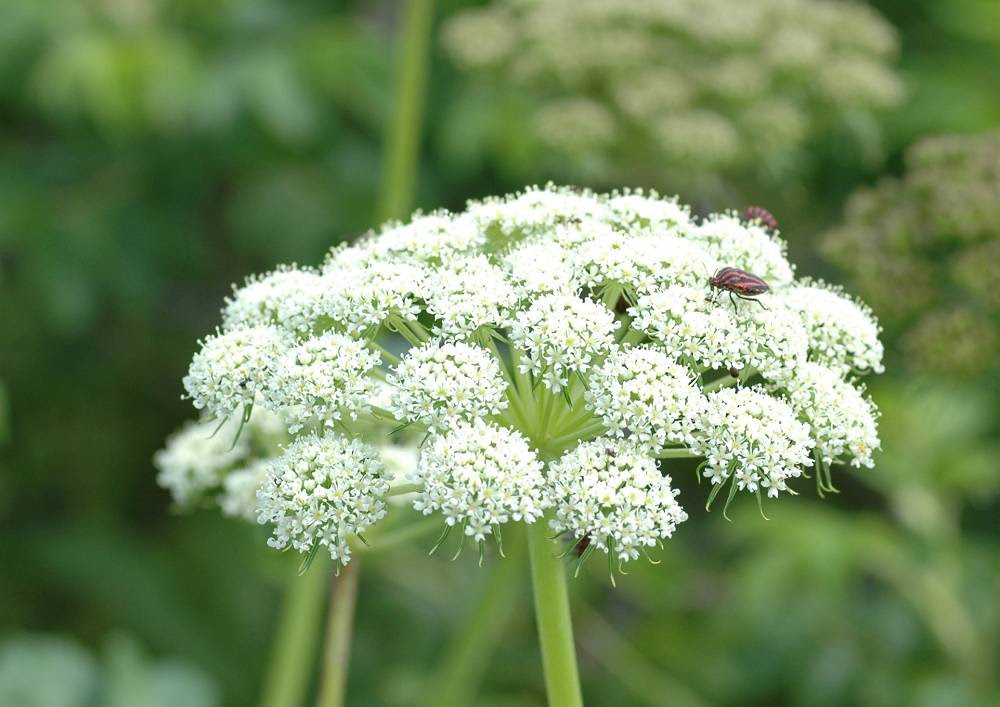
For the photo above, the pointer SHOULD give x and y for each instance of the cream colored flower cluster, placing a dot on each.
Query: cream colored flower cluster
(708, 84)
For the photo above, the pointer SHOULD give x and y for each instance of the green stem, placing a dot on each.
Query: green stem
(683, 453)
(340, 622)
(580, 432)
(724, 382)
(395, 200)
(455, 681)
(403, 489)
(400, 170)
(387, 355)
(555, 628)
(400, 536)
(293, 652)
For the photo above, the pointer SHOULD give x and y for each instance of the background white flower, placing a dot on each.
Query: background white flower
(239, 490)
(196, 458)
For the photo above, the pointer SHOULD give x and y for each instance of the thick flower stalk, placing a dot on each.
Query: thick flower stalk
(709, 85)
(551, 352)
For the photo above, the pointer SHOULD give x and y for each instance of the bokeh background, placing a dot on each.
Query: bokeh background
(152, 152)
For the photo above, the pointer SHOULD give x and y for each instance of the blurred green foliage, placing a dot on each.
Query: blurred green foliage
(37, 670)
(156, 151)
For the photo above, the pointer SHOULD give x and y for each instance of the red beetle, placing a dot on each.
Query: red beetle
(762, 216)
(739, 283)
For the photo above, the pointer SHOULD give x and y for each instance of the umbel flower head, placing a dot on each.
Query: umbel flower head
(552, 351)
(925, 249)
(710, 85)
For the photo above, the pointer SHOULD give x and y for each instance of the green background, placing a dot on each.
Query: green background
(152, 153)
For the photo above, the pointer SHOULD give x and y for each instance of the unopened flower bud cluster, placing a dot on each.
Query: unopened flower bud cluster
(924, 249)
(706, 85)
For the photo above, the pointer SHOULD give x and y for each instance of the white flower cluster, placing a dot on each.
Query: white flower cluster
(322, 490)
(554, 324)
(431, 239)
(560, 335)
(469, 295)
(364, 297)
(643, 392)
(842, 420)
(612, 492)
(289, 298)
(232, 368)
(481, 476)
(322, 378)
(197, 457)
(200, 458)
(239, 490)
(843, 333)
(713, 332)
(442, 384)
(753, 438)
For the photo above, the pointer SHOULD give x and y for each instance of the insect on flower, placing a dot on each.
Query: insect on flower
(762, 216)
(739, 283)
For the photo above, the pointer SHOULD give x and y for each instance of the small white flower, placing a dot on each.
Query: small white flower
(542, 267)
(754, 438)
(322, 490)
(650, 210)
(480, 476)
(363, 298)
(646, 394)
(535, 210)
(430, 239)
(560, 335)
(442, 384)
(239, 490)
(611, 491)
(322, 378)
(288, 298)
(470, 294)
(843, 333)
(712, 332)
(841, 419)
(644, 262)
(199, 456)
(196, 458)
(232, 368)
